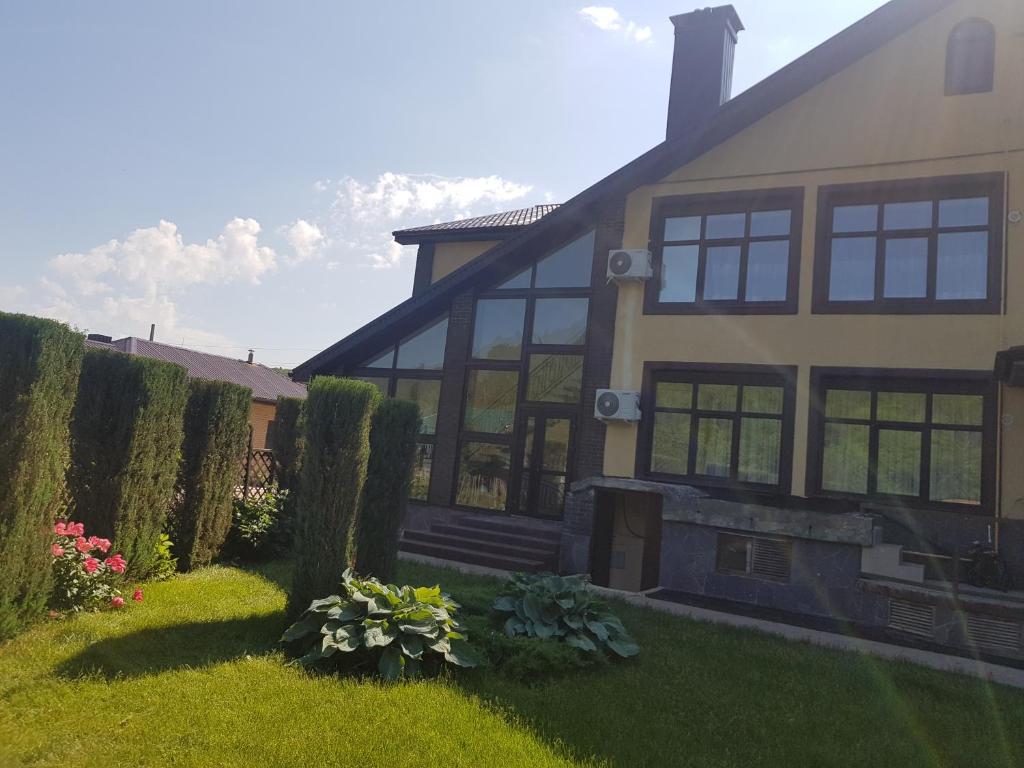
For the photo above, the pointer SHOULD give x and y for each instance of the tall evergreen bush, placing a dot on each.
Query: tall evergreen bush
(288, 439)
(40, 361)
(216, 435)
(386, 492)
(337, 448)
(126, 435)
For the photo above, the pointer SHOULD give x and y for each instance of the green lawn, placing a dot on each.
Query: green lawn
(190, 677)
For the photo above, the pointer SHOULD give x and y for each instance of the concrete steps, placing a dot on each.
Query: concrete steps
(495, 543)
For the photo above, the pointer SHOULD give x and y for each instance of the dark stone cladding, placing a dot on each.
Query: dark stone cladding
(424, 267)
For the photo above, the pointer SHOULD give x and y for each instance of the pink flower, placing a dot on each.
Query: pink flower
(74, 529)
(57, 550)
(103, 545)
(60, 529)
(117, 602)
(82, 545)
(91, 564)
(117, 563)
(137, 597)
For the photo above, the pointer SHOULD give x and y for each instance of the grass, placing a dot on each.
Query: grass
(191, 678)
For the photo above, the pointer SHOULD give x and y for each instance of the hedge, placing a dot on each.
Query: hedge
(126, 434)
(386, 492)
(216, 435)
(287, 443)
(336, 450)
(40, 361)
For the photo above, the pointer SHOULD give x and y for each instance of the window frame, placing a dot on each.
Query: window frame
(394, 373)
(714, 373)
(910, 380)
(960, 83)
(741, 201)
(990, 185)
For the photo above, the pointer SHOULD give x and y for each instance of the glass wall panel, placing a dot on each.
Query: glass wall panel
(498, 329)
(560, 321)
(555, 378)
(483, 476)
(568, 267)
(491, 401)
(423, 461)
(425, 350)
(426, 393)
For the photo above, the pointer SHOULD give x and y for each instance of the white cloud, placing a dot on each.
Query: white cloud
(364, 213)
(306, 240)
(609, 19)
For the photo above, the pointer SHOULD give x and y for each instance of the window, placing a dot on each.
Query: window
(711, 425)
(754, 556)
(971, 58)
(726, 253)
(528, 340)
(924, 246)
(411, 370)
(904, 437)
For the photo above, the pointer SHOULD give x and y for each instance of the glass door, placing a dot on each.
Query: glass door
(546, 441)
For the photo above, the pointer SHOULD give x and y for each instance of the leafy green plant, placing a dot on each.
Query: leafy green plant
(551, 607)
(40, 361)
(259, 529)
(402, 632)
(126, 434)
(165, 564)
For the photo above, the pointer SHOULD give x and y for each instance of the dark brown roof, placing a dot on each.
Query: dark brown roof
(266, 383)
(502, 222)
(813, 68)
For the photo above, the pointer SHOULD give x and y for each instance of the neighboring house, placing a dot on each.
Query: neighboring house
(266, 384)
(831, 403)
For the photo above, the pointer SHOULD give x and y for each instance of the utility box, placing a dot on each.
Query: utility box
(627, 540)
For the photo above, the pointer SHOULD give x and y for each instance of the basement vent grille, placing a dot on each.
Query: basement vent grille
(912, 618)
(771, 559)
(993, 634)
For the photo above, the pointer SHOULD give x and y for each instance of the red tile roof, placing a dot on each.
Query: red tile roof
(266, 383)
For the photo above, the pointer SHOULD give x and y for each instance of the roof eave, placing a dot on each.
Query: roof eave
(416, 237)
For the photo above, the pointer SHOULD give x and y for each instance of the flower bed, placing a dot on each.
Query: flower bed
(83, 579)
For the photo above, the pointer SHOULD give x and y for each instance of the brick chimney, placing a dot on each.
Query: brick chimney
(701, 66)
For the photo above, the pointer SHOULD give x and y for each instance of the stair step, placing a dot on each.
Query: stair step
(482, 545)
(498, 537)
(471, 556)
(517, 529)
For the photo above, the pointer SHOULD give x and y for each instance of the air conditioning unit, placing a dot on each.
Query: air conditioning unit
(629, 264)
(617, 405)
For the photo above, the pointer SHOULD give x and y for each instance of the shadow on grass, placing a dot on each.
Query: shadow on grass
(177, 646)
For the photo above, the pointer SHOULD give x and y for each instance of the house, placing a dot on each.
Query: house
(266, 383)
(803, 312)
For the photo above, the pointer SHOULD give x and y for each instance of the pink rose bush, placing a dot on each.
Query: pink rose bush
(82, 580)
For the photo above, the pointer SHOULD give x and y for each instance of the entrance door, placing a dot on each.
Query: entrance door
(545, 451)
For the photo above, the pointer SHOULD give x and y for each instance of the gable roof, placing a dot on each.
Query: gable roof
(266, 383)
(775, 91)
(499, 224)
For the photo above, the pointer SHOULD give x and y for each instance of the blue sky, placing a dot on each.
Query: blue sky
(231, 170)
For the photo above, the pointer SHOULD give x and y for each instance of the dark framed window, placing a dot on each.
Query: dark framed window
(411, 370)
(713, 425)
(909, 438)
(526, 348)
(971, 58)
(923, 246)
(726, 253)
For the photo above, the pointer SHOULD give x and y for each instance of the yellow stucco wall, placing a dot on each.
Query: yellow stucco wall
(450, 256)
(260, 416)
(884, 118)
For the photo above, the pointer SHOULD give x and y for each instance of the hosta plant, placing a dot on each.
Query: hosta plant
(561, 608)
(401, 632)
(84, 577)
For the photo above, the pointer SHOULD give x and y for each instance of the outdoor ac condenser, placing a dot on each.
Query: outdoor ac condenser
(629, 264)
(617, 405)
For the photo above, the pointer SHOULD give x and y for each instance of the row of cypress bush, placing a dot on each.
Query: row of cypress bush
(116, 441)
(353, 486)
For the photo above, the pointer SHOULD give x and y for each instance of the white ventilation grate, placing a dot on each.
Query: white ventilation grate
(771, 559)
(912, 618)
(993, 634)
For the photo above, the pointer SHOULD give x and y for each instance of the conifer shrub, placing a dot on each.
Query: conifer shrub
(216, 435)
(288, 440)
(386, 492)
(126, 435)
(336, 449)
(40, 361)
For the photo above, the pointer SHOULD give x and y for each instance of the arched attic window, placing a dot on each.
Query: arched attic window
(971, 58)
